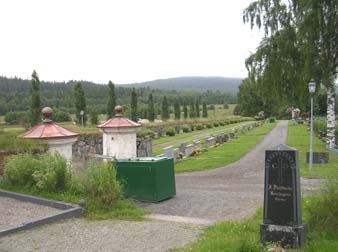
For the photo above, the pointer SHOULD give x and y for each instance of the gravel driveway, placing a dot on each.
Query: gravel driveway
(232, 192)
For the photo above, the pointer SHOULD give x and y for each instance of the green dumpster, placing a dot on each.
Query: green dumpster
(147, 179)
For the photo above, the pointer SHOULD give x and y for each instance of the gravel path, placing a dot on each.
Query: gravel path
(228, 193)
(196, 137)
(23, 212)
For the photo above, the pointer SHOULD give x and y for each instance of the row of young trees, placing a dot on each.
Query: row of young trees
(80, 105)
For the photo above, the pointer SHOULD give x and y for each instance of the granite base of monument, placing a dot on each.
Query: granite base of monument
(286, 236)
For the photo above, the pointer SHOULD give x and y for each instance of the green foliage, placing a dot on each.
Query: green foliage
(170, 131)
(211, 107)
(35, 108)
(221, 123)
(199, 126)
(205, 110)
(216, 124)
(177, 110)
(197, 109)
(145, 132)
(185, 110)
(165, 109)
(185, 128)
(226, 105)
(209, 125)
(94, 117)
(133, 105)
(18, 118)
(323, 209)
(192, 112)
(61, 116)
(44, 173)
(151, 110)
(111, 100)
(100, 184)
(80, 103)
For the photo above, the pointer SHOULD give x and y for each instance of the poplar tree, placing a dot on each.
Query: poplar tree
(165, 109)
(205, 110)
(35, 109)
(133, 105)
(198, 114)
(192, 113)
(177, 110)
(185, 110)
(111, 100)
(151, 110)
(80, 103)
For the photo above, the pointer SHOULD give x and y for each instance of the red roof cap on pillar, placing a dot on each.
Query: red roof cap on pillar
(119, 121)
(48, 129)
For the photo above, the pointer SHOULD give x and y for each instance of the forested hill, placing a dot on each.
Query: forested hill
(15, 95)
(229, 85)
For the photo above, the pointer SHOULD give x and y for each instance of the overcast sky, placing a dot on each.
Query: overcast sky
(124, 41)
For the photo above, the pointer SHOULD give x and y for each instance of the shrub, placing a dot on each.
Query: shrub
(19, 170)
(216, 124)
(100, 184)
(16, 118)
(170, 131)
(199, 126)
(146, 132)
(221, 123)
(185, 128)
(47, 173)
(61, 116)
(209, 126)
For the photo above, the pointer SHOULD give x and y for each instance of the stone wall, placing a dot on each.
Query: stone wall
(91, 144)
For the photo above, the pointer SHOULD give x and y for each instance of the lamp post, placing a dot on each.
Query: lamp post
(312, 90)
(82, 113)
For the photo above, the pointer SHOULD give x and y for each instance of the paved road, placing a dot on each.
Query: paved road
(228, 193)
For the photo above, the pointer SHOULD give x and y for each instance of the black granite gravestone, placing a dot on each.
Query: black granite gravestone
(282, 201)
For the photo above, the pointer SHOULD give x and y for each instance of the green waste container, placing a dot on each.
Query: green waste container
(147, 179)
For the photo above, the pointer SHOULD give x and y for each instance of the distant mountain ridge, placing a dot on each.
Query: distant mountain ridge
(193, 83)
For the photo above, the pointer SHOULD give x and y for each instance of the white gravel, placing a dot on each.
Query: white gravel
(15, 212)
(120, 236)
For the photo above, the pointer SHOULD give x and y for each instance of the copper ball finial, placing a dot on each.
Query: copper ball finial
(118, 110)
(47, 113)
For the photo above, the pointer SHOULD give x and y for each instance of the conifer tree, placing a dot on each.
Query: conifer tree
(151, 110)
(205, 110)
(177, 110)
(133, 105)
(185, 110)
(35, 110)
(198, 114)
(192, 113)
(80, 103)
(111, 101)
(165, 109)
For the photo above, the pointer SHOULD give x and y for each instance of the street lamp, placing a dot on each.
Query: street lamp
(312, 90)
(82, 113)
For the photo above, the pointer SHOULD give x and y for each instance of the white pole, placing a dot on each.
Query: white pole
(311, 135)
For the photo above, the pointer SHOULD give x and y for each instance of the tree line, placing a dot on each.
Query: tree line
(21, 100)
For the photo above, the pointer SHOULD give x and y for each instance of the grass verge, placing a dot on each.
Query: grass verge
(122, 210)
(227, 153)
(299, 138)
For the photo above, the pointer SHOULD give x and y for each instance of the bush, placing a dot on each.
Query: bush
(216, 124)
(100, 184)
(20, 118)
(185, 128)
(61, 116)
(221, 123)
(47, 173)
(209, 126)
(199, 126)
(146, 132)
(170, 131)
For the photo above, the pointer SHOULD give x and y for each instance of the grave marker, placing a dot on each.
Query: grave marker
(282, 200)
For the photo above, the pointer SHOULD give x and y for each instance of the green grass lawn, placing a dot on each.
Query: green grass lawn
(196, 132)
(299, 138)
(227, 153)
